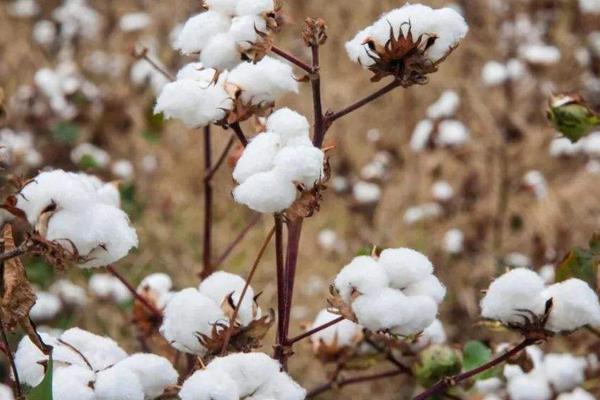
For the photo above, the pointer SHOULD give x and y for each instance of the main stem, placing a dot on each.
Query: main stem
(315, 82)
(445, 384)
(281, 295)
(208, 209)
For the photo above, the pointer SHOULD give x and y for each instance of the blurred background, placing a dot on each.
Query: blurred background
(465, 169)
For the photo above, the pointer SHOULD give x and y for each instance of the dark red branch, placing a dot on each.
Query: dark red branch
(150, 307)
(207, 267)
(351, 381)
(315, 81)
(210, 173)
(237, 240)
(291, 58)
(237, 129)
(314, 330)
(281, 299)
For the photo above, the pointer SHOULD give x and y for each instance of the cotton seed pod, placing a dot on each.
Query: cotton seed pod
(571, 116)
(435, 363)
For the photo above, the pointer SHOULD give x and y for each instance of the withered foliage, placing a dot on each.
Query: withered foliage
(314, 32)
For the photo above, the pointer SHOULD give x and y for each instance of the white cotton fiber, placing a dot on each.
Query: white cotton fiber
(433, 334)
(28, 358)
(517, 289)
(358, 51)
(575, 304)
(405, 266)
(221, 53)
(209, 384)
(266, 192)
(452, 133)
(281, 386)
(342, 334)
(577, 394)
(366, 192)
(532, 386)
(101, 352)
(494, 73)
(245, 30)
(187, 314)
(257, 157)
(70, 294)
(195, 103)
(423, 311)
(421, 134)
(383, 309)
(154, 373)
(248, 370)
(445, 106)
(118, 383)
(364, 275)
(288, 125)
(197, 72)
(226, 7)
(198, 30)
(46, 307)
(158, 283)
(564, 371)
(300, 164)
(254, 7)
(429, 286)
(73, 383)
(220, 285)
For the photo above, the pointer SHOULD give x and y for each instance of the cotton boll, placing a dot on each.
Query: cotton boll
(577, 394)
(488, 386)
(405, 266)
(442, 191)
(450, 27)
(28, 358)
(532, 386)
(362, 276)
(73, 383)
(536, 181)
(70, 293)
(88, 151)
(392, 22)
(100, 352)
(452, 133)
(258, 156)
(221, 53)
(187, 314)
(281, 386)
(226, 7)
(136, 21)
(300, 164)
(342, 334)
(220, 285)
(433, 334)
(195, 103)
(288, 125)
(563, 147)
(424, 311)
(23, 8)
(574, 305)
(511, 371)
(421, 134)
(539, 54)
(589, 6)
(118, 383)
(6, 392)
(429, 286)
(445, 106)
(46, 307)
(266, 192)
(563, 371)
(358, 51)
(254, 7)
(383, 309)
(108, 287)
(517, 289)
(154, 373)
(366, 192)
(516, 259)
(198, 31)
(516, 69)
(249, 370)
(44, 32)
(197, 72)
(123, 169)
(244, 30)
(453, 242)
(209, 384)
(265, 81)
(494, 73)
(159, 283)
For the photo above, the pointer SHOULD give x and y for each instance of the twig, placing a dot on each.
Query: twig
(150, 307)
(144, 55)
(22, 249)
(236, 241)
(237, 129)
(210, 173)
(333, 116)
(17, 383)
(311, 332)
(281, 299)
(291, 58)
(207, 268)
(236, 310)
(315, 82)
(351, 381)
(448, 382)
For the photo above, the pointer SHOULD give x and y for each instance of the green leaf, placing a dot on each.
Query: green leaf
(475, 354)
(581, 264)
(44, 390)
(65, 132)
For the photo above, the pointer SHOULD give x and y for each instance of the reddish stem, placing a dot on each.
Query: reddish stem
(291, 58)
(351, 381)
(237, 129)
(281, 299)
(237, 240)
(315, 82)
(314, 330)
(150, 307)
(211, 173)
(208, 209)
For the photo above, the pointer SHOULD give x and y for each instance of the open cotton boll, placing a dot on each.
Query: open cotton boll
(266, 192)
(118, 383)
(87, 151)
(198, 31)
(281, 386)
(226, 7)
(453, 242)
(358, 51)
(574, 305)
(154, 373)
(383, 309)
(108, 287)
(73, 383)
(28, 358)
(563, 146)
(257, 157)
(488, 386)
(101, 234)
(300, 164)
(6, 392)
(362, 276)
(405, 266)
(494, 73)
(221, 53)
(366, 192)
(433, 334)
(429, 286)
(531, 386)
(158, 282)
(265, 81)
(249, 370)
(196, 71)
(135, 21)
(452, 133)
(423, 310)
(421, 134)
(220, 285)
(539, 54)
(445, 106)
(46, 307)
(342, 334)
(579, 393)
(188, 313)
(122, 169)
(195, 103)
(70, 294)
(518, 289)
(254, 7)
(590, 6)
(244, 30)
(442, 191)
(450, 27)
(564, 371)
(209, 384)
(100, 352)
(288, 125)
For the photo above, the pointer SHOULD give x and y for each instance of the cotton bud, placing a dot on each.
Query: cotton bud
(435, 363)
(571, 116)
(335, 339)
(314, 32)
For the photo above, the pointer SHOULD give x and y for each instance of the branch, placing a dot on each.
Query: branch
(236, 241)
(17, 383)
(448, 382)
(210, 173)
(291, 58)
(315, 82)
(311, 332)
(207, 268)
(22, 249)
(144, 55)
(261, 252)
(150, 307)
(333, 116)
(281, 298)
(389, 356)
(351, 381)
(237, 129)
